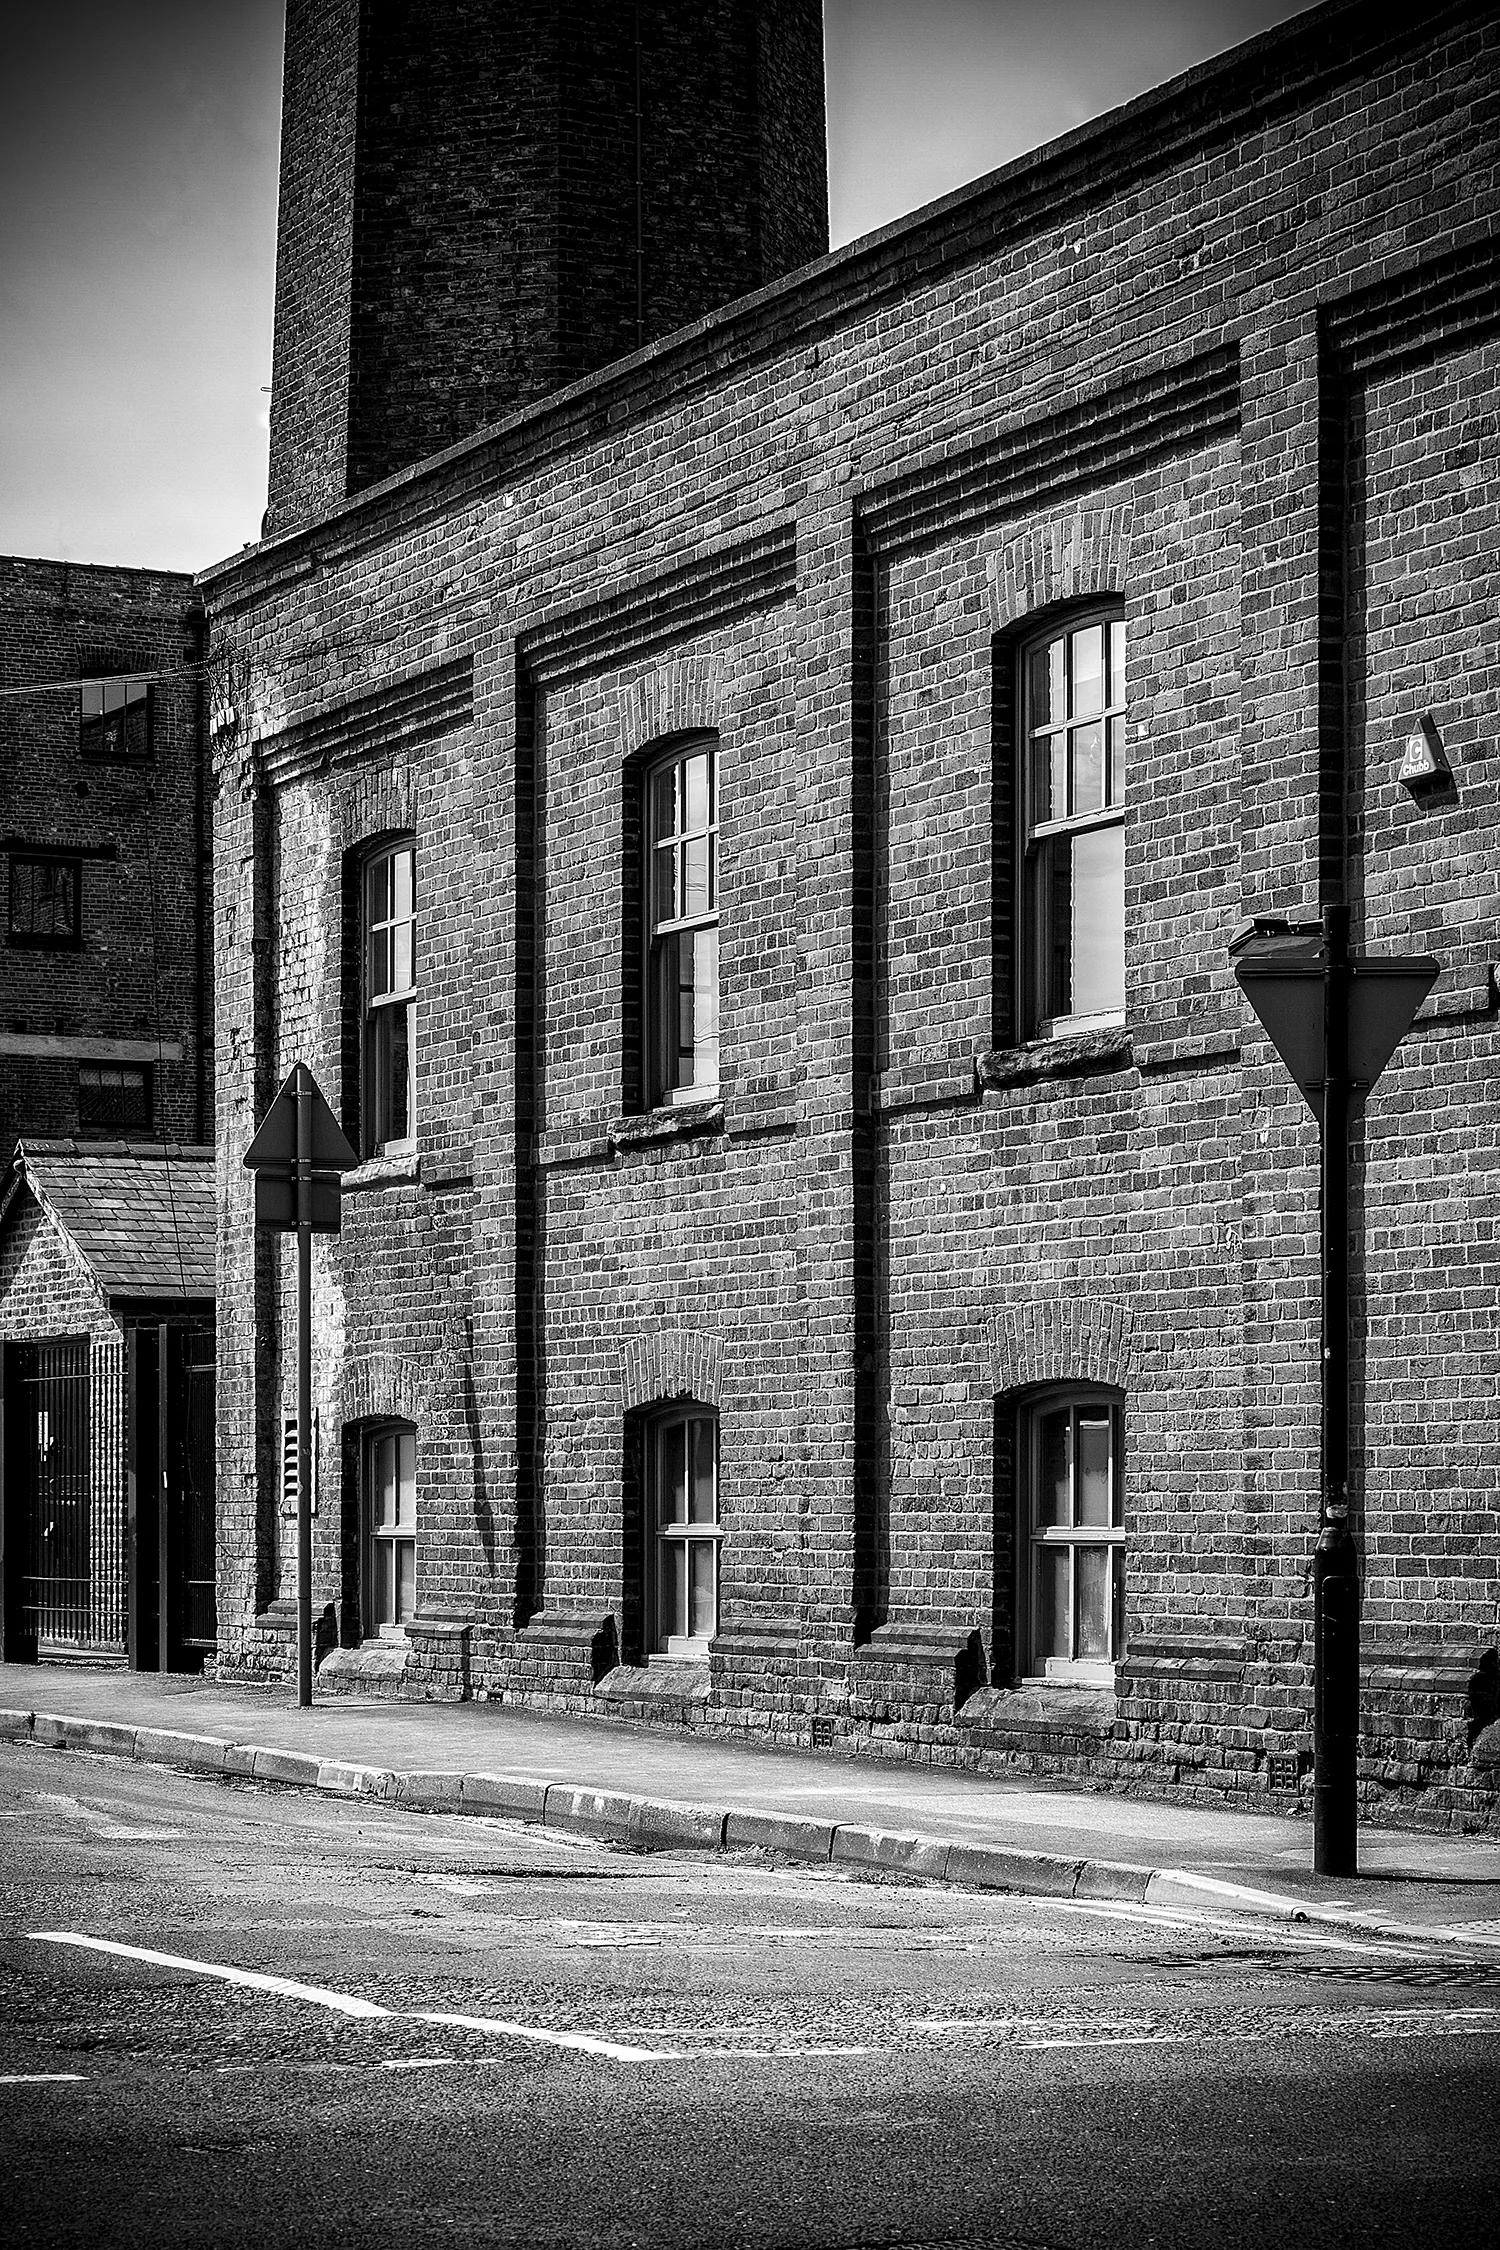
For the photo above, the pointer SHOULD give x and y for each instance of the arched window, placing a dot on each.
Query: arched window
(1072, 1545)
(388, 1592)
(1071, 697)
(682, 923)
(388, 1012)
(682, 1530)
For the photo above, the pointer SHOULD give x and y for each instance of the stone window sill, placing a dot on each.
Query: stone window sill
(1071, 1054)
(678, 1122)
(383, 1172)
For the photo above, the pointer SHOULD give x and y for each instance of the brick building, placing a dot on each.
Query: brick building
(106, 1093)
(749, 842)
(106, 1012)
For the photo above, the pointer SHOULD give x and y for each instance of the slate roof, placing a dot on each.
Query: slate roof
(141, 1216)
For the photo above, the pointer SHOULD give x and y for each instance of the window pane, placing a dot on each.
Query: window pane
(1088, 768)
(1117, 761)
(673, 1458)
(1054, 1467)
(406, 1492)
(663, 802)
(664, 901)
(1051, 1619)
(1088, 672)
(701, 1552)
(406, 1579)
(398, 1115)
(704, 1070)
(378, 891)
(114, 695)
(703, 1471)
(384, 1589)
(1098, 948)
(695, 876)
(1093, 1470)
(1049, 777)
(1093, 1566)
(671, 1611)
(380, 963)
(384, 1482)
(1045, 666)
(401, 961)
(92, 695)
(402, 874)
(1117, 663)
(695, 792)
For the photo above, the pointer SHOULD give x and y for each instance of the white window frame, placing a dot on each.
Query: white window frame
(382, 995)
(668, 848)
(1038, 1539)
(701, 1538)
(376, 1533)
(1041, 831)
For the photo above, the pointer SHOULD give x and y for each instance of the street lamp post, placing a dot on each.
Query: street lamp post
(1335, 1019)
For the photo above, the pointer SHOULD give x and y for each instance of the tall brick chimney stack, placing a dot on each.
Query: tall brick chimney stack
(484, 199)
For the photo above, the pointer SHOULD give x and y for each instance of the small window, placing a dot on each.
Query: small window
(390, 969)
(682, 1566)
(1072, 700)
(114, 719)
(114, 1098)
(390, 1507)
(682, 894)
(45, 901)
(1073, 1549)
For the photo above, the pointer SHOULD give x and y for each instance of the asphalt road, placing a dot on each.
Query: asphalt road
(513, 2037)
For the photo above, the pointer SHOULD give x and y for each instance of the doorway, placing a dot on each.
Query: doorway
(51, 1598)
(172, 1608)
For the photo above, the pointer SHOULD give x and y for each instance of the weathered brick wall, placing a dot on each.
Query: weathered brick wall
(139, 974)
(815, 528)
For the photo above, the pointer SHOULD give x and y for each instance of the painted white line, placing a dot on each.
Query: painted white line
(584, 2041)
(42, 2078)
(460, 1886)
(423, 2062)
(350, 2004)
(344, 2003)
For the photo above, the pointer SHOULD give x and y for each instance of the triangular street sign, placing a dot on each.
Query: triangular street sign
(275, 1145)
(1385, 992)
(1289, 1003)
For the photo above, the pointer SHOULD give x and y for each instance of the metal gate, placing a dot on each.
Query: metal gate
(50, 1598)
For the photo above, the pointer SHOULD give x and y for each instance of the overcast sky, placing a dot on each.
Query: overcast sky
(138, 145)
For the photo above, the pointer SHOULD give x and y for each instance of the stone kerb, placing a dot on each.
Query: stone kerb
(1061, 1340)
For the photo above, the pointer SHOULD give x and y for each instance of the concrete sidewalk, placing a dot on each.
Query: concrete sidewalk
(641, 1785)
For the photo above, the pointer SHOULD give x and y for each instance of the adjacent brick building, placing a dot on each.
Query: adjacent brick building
(105, 855)
(750, 842)
(106, 1077)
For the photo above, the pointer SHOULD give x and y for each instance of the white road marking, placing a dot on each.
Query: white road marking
(106, 1828)
(345, 2003)
(459, 1885)
(350, 2004)
(41, 2078)
(584, 2041)
(423, 2062)
(1307, 1939)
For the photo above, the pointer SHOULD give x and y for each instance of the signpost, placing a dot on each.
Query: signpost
(299, 1157)
(1335, 1019)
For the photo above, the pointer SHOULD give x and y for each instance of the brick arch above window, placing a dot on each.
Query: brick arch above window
(373, 804)
(1080, 557)
(670, 1363)
(1061, 1340)
(382, 1387)
(681, 695)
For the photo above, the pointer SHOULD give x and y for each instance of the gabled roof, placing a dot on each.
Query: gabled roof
(140, 1216)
